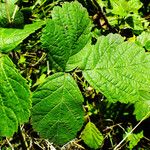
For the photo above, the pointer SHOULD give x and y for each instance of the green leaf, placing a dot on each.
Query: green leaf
(144, 40)
(10, 38)
(14, 98)
(142, 108)
(118, 69)
(92, 136)
(57, 112)
(66, 33)
(125, 7)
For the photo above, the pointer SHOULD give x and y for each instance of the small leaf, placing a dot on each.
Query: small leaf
(10, 38)
(57, 112)
(118, 69)
(92, 136)
(66, 33)
(134, 139)
(14, 98)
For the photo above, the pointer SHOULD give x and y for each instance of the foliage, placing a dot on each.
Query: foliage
(7, 40)
(62, 44)
(92, 136)
(125, 14)
(14, 105)
(93, 64)
(57, 108)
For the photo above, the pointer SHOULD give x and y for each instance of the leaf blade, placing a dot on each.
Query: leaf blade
(57, 108)
(118, 70)
(66, 33)
(14, 96)
(92, 136)
(10, 38)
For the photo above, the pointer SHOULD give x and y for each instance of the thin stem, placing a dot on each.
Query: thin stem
(22, 139)
(128, 134)
(9, 144)
(14, 13)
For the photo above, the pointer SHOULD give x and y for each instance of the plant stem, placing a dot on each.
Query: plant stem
(14, 13)
(9, 144)
(22, 139)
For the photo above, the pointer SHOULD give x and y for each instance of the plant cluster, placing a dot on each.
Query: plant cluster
(74, 71)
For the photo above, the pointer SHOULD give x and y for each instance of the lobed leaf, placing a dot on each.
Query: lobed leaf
(14, 98)
(66, 33)
(92, 136)
(118, 69)
(57, 112)
(10, 38)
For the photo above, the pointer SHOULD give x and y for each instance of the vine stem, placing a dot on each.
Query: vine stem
(128, 134)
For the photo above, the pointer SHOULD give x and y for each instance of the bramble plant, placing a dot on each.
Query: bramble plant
(115, 67)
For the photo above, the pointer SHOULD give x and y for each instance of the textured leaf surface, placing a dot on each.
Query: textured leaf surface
(14, 98)
(10, 38)
(66, 33)
(57, 112)
(118, 69)
(79, 60)
(92, 136)
(142, 108)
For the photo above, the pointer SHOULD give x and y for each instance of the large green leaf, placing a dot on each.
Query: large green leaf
(118, 69)
(57, 112)
(10, 38)
(92, 136)
(66, 33)
(14, 98)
